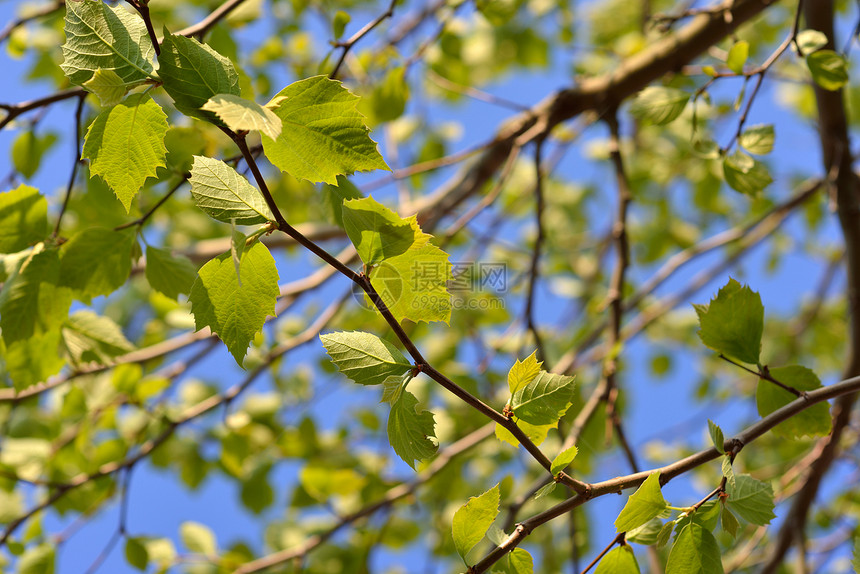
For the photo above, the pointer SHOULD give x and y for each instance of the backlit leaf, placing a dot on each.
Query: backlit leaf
(414, 285)
(34, 359)
(323, 134)
(811, 40)
(240, 114)
(136, 554)
(733, 322)
(643, 505)
(523, 372)
(619, 560)
(544, 400)
(716, 436)
(659, 105)
(28, 149)
(223, 194)
(23, 218)
(107, 37)
(758, 139)
(814, 421)
(364, 358)
(751, 499)
(168, 273)
(737, 56)
(473, 519)
(108, 86)
(536, 433)
(744, 174)
(96, 261)
(193, 73)
(125, 145)
(828, 68)
(695, 551)
(564, 458)
(236, 313)
(198, 538)
(89, 337)
(409, 430)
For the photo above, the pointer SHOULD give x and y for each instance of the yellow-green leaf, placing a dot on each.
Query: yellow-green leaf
(643, 505)
(240, 114)
(473, 519)
(23, 218)
(814, 421)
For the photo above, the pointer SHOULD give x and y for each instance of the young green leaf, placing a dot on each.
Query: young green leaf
(28, 149)
(659, 105)
(856, 561)
(695, 551)
(323, 133)
(364, 358)
(758, 139)
(136, 554)
(733, 322)
(536, 433)
(193, 73)
(414, 285)
(224, 195)
(744, 174)
(544, 400)
(96, 261)
(665, 534)
(829, 69)
(646, 534)
(814, 421)
(393, 386)
(737, 57)
(335, 195)
(108, 86)
(409, 430)
(810, 41)
(564, 458)
(198, 538)
(37, 560)
(168, 273)
(523, 372)
(107, 37)
(338, 23)
(89, 337)
(237, 247)
(716, 436)
(619, 560)
(236, 313)
(728, 471)
(240, 114)
(23, 218)
(643, 505)
(31, 299)
(389, 97)
(705, 516)
(728, 521)
(125, 145)
(34, 359)
(518, 561)
(473, 519)
(751, 499)
(378, 233)
(545, 490)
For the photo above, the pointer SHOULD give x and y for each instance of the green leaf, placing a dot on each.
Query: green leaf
(389, 97)
(108, 86)
(659, 105)
(856, 561)
(728, 521)
(758, 139)
(536, 433)
(810, 40)
(414, 285)
(829, 69)
(619, 560)
(37, 560)
(705, 516)
(323, 133)
(737, 57)
(136, 553)
(102, 36)
(364, 358)
(814, 421)
(28, 149)
(125, 145)
(744, 174)
(643, 505)
(716, 436)
(240, 114)
(564, 458)
(198, 538)
(224, 195)
(34, 359)
(338, 23)
(544, 400)
(695, 551)
(89, 337)
(518, 561)
(473, 519)
(378, 233)
(193, 73)
(168, 273)
(545, 490)
(96, 261)
(236, 313)
(23, 218)
(733, 322)
(334, 196)
(323, 482)
(237, 247)
(523, 372)
(751, 499)
(31, 300)
(665, 534)
(727, 470)
(257, 494)
(392, 387)
(646, 534)
(409, 430)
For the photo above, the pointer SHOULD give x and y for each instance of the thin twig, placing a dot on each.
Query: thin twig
(534, 268)
(76, 161)
(355, 38)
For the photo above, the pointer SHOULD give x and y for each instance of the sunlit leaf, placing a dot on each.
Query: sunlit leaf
(659, 105)
(695, 551)
(813, 421)
(169, 273)
(619, 560)
(96, 261)
(410, 429)
(643, 505)
(564, 458)
(364, 358)
(240, 114)
(737, 56)
(828, 68)
(744, 174)
(90, 337)
(758, 139)
(23, 218)
(751, 499)
(733, 322)
(223, 194)
(473, 519)
(544, 400)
